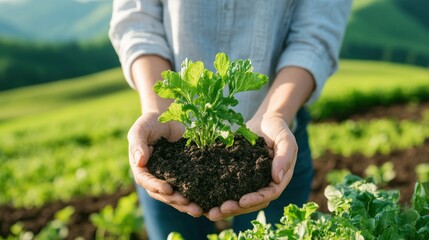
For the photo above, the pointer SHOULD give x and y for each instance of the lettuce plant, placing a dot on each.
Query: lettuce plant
(359, 210)
(203, 99)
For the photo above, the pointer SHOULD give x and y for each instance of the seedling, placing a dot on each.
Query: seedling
(204, 105)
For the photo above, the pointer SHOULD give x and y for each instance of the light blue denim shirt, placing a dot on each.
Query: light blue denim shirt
(272, 33)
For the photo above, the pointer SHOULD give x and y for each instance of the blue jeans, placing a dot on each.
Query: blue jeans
(161, 219)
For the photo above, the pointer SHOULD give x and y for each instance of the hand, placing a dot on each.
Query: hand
(145, 131)
(282, 145)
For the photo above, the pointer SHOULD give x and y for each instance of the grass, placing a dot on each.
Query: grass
(68, 138)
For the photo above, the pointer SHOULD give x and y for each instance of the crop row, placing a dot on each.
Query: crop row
(368, 137)
(359, 210)
(75, 158)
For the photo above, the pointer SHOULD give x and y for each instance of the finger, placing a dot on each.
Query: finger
(267, 194)
(138, 148)
(261, 196)
(178, 202)
(149, 182)
(229, 206)
(192, 209)
(175, 198)
(216, 214)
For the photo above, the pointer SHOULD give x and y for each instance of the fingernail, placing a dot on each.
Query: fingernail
(137, 155)
(280, 175)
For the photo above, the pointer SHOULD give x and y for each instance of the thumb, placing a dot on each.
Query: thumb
(139, 151)
(285, 151)
(139, 154)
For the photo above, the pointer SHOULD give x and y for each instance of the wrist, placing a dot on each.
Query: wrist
(287, 117)
(154, 105)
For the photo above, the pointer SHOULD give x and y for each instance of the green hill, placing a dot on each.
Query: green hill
(53, 20)
(389, 30)
(26, 63)
(418, 9)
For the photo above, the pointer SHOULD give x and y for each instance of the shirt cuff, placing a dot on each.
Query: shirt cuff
(320, 67)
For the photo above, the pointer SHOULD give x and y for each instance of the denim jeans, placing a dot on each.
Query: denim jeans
(161, 219)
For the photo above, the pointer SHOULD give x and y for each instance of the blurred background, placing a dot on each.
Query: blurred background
(65, 110)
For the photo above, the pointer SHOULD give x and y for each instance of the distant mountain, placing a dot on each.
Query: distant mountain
(7, 30)
(55, 20)
(417, 9)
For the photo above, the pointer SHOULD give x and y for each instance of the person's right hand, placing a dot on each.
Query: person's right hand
(141, 137)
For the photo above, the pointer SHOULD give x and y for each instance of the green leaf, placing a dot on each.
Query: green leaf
(193, 73)
(175, 236)
(174, 113)
(221, 64)
(249, 81)
(420, 199)
(65, 214)
(230, 101)
(162, 91)
(246, 133)
(226, 136)
(172, 86)
(261, 218)
(227, 235)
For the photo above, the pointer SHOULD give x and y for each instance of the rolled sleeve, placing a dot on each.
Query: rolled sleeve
(136, 28)
(314, 39)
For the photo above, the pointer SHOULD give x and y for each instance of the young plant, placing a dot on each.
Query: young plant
(200, 103)
(422, 171)
(121, 222)
(381, 174)
(358, 211)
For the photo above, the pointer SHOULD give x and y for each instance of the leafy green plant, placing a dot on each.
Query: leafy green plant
(367, 137)
(56, 229)
(381, 174)
(336, 176)
(119, 223)
(199, 100)
(422, 171)
(358, 211)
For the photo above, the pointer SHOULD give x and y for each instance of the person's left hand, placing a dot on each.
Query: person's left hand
(282, 145)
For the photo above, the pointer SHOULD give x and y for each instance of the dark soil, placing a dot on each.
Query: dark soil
(210, 176)
(34, 219)
(404, 162)
(398, 112)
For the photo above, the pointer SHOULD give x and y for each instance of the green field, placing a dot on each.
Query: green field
(68, 138)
